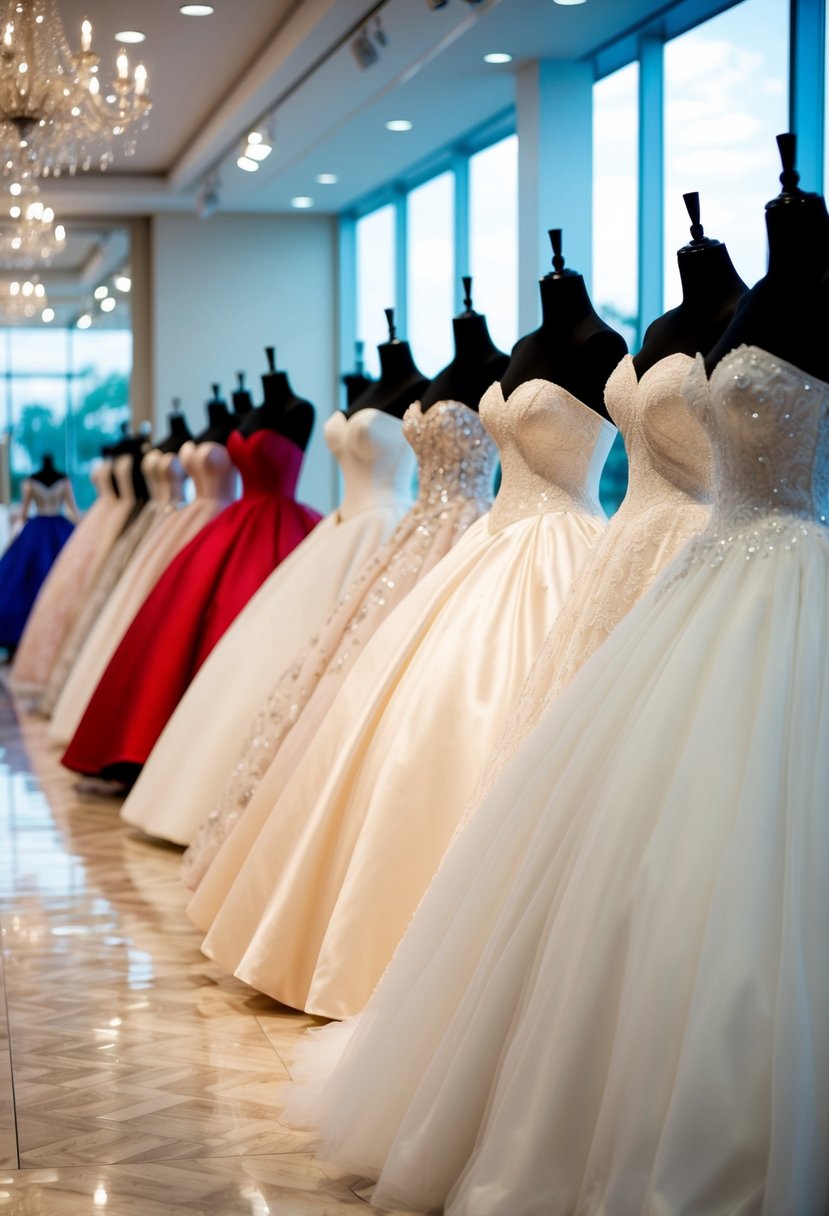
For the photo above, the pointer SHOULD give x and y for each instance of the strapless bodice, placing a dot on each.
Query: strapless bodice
(668, 450)
(268, 463)
(552, 449)
(101, 477)
(122, 471)
(769, 427)
(456, 458)
(48, 499)
(164, 476)
(212, 471)
(377, 463)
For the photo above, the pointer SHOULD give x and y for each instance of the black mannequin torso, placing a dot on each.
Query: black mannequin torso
(573, 347)
(282, 410)
(47, 474)
(220, 422)
(711, 291)
(477, 363)
(401, 381)
(242, 400)
(179, 430)
(135, 446)
(787, 312)
(356, 382)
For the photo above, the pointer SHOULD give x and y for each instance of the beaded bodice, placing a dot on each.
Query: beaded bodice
(552, 450)
(455, 456)
(376, 462)
(48, 499)
(769, 428)
(668, 450)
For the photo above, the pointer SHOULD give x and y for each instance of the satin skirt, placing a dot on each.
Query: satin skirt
(615, 996)
(311, 907)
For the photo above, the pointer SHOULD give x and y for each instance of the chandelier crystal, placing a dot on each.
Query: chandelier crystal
(56, 114)
(30, 235)
(24, 301)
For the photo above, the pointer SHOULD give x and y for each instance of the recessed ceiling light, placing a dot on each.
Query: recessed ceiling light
(84, 321)
(123, 282)
(399, 124)
(101, 293)
(129, 36)
(47, 315)
(568, 2)
(302, 201)
(498, 57)
(108, 304)
(327, 179)
(195, 10)
(249, 166)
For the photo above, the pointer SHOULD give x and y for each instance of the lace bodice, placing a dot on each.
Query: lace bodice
(769, 428)
(667, 447)
(455, 456)
(552, 450)
(212, 471)
(376, 462)
(269, 463)
(48, 500)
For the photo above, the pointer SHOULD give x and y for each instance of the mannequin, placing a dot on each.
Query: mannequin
(400, 383)
(356, 382)
(711, 291)
(220, 421)
(179, 430)
(282, 410)
(787, 312)
(477, 362)
(242, 401)
(47, 474)
(572, 347)
(135, 446)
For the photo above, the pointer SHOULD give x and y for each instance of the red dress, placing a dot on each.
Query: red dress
(200, 593)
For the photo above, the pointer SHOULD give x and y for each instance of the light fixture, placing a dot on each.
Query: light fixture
(24, 300)
(108, 304)
(130, 37)
(101, 293)
(208, 198)
(54, 112)
(498, 57)
(30, 237)
(327, 179)
(47, 315)
(258, 146)
(123, 282)
(84, 321)
(247, 163)
(302, 202)
(399, 124)
(566, 3)
(195, 10)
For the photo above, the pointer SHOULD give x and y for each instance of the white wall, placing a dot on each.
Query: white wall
(225, 288)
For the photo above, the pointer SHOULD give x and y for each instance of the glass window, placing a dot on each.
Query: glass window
(431, 272)
(101, 364)
(616, 200)
(375, 265)
(726, 97)
(493, 238)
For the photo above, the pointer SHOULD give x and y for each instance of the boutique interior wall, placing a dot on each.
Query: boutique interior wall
(223, 289)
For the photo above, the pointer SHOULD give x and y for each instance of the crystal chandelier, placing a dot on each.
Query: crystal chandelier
(56, 114)
(24, 301)
(30, 236)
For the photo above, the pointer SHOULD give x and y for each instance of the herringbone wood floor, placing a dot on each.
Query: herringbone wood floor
(135, 1078)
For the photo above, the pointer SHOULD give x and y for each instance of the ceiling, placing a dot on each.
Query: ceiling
(212, 78)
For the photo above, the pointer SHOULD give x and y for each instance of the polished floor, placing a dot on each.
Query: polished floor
(135, 1078)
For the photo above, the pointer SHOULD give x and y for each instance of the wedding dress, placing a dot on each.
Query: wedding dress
(71, 578)
(163, 476)
(667, 501)
(456, 466)
(214, 478)
(171, 799)
(614, 997)
(199, 595)
(25, 565)
(321, 876)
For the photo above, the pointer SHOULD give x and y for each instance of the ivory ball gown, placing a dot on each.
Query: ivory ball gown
(214, 477)
(199, 595)
(456, 466)
(614, 997)
(314, 888)
(171, 799)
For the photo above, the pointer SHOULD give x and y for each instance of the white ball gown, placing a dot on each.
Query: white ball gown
(456, 467)
(170, 799)
(215, 481)
(314, 888)
(668, 500)
(64, 593)
(615, 996)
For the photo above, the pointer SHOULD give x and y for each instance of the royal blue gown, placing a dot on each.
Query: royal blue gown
(29, 558)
